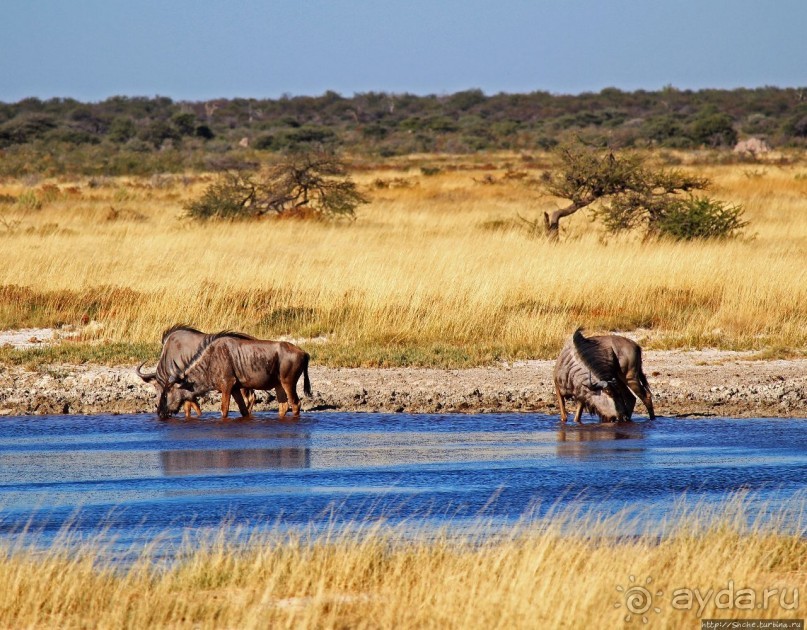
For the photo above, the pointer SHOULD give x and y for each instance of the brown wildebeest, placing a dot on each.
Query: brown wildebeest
(180, 343)
(226, 363)
(588, 370)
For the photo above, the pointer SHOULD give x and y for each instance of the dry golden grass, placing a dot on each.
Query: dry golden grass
(436, 271)
(560, 573)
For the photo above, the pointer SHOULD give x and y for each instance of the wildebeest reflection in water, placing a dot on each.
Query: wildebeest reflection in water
(576, 443)
(196, 461)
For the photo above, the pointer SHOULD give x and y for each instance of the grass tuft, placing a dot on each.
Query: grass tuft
(564, 570)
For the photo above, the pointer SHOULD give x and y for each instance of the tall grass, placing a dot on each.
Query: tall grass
(565, 571)
(438, 271)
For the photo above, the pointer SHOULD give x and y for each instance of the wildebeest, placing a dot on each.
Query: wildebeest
(180, 343)
(601, 373)
(224, 363)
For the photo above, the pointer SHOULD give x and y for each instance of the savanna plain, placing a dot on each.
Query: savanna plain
(439, 270)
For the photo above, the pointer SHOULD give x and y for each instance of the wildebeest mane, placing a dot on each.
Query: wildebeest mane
(177, 327)
(598, 358)
(237, 335)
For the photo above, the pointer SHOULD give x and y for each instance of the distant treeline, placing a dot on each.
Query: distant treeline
(123, 135)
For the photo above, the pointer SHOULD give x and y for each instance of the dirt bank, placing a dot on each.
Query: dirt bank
(700, 383)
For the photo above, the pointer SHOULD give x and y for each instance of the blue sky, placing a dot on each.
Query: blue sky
(203, 49)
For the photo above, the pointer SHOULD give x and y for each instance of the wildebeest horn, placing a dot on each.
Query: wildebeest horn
(145, 376)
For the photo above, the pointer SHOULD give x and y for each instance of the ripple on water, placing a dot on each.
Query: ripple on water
(136, 475)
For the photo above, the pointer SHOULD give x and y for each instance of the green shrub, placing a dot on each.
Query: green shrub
(302, 138)
(265, 142)
(230, 197)
(184, 123)
(204, 132)
(121, 130)
(700, 218)
(29, 200)
(714, 129)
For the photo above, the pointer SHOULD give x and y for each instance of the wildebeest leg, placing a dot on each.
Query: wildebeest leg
(226, 390)
(282, 401)
(647, 397)
(643, 393)
(637, 382)
(190, 405)
(579, 413)
(561, 404)
(648, 402)
(249, 398)
(239, 400)
(291, 393)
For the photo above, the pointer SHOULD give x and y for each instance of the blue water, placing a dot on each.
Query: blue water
(133, 476)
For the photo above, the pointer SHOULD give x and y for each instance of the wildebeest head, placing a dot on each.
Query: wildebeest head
(609, 395)
(174, 394)
(611, 400)
(171, 395)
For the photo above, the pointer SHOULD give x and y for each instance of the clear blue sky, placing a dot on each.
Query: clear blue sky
(203, 49)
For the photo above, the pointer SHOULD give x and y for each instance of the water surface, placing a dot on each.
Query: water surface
(134, 475)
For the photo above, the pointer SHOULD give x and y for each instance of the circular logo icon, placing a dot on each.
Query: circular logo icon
(637, 599)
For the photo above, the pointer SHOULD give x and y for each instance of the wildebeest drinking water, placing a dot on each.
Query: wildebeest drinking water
(602, 374)
(629, 355)
(180, 343)
(225, 363)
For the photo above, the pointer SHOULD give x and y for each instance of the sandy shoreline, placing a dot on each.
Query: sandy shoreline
(685, 383)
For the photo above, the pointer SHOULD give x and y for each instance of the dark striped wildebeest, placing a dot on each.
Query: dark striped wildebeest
(602, 374)
(226, 363)
(180, 343)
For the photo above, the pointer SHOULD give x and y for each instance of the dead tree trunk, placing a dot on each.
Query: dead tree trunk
(552, 221)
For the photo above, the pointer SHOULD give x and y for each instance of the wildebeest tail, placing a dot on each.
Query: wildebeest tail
(306, 382)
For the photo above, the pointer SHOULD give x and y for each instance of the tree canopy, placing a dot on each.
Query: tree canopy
(630, 195)
(302, 183)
